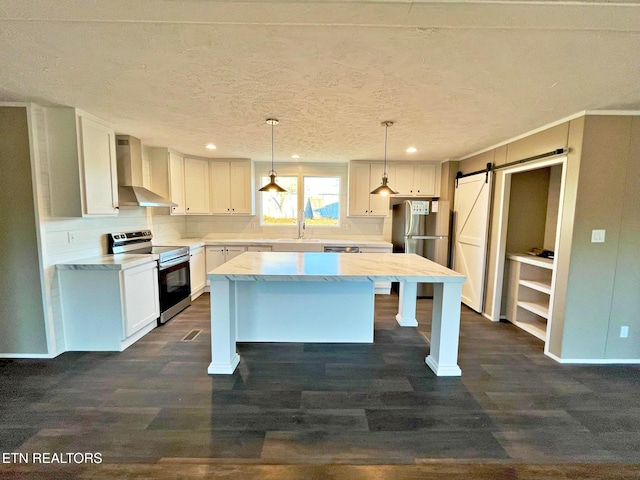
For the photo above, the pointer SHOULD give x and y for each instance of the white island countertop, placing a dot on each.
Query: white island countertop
(341, 267)
(326, 298)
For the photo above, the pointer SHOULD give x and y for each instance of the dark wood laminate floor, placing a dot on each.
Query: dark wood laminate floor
(323, 410)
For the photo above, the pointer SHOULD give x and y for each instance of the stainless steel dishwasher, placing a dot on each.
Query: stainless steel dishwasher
(340, 249)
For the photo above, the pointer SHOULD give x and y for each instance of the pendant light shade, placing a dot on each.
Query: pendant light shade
(384, 189)
(272, 186)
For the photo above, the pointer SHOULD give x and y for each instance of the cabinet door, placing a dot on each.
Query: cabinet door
(221, 188)
(359, 188)
(198, 271)
(425, 179)
(140, 300)
(233, 251)
(176, 183)
(196, 186)
(214, 257)
(378, 204)
(241, 181)
(403, 180)
(99, 172)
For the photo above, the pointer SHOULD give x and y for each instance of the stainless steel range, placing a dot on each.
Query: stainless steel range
(173, 266)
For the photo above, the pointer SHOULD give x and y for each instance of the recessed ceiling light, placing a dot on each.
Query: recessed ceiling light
(412, 150)
(210, 146)
(295, 155)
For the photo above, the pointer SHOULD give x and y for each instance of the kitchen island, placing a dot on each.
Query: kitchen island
(326, 297)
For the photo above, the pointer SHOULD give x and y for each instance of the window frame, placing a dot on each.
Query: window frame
(300, 172)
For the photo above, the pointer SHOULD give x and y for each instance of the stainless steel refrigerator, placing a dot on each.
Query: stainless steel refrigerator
(422, 227)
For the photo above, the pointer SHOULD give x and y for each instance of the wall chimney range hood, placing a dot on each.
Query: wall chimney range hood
(130, 189)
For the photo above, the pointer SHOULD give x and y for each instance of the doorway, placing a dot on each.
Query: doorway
(529, 201)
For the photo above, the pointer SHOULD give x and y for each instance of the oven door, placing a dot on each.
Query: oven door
(175, 289)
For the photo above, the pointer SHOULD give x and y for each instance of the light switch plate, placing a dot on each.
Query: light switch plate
(597, 236)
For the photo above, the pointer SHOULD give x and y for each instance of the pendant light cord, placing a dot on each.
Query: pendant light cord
(272, 146)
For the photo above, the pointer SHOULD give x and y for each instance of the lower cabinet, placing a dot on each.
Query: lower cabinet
(383, 288)
(198, 271)
(216, 255)
(108, 310)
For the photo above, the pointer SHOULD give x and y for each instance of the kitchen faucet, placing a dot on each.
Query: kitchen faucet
(301, 223)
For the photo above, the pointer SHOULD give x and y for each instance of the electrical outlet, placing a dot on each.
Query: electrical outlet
(624, 332)
(71, 237)
(347, 226)
(597, 236)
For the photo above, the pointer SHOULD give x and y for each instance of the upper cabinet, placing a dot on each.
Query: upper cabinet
(82, 164)
(167, 177)
(196, 186)
(231, 187)
(364, 176)
(414, 179)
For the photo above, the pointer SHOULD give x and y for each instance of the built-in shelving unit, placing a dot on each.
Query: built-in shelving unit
(529, 293)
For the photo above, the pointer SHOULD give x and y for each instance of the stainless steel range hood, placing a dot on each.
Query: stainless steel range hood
(130, 189)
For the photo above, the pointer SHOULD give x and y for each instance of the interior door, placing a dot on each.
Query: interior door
(471, 223)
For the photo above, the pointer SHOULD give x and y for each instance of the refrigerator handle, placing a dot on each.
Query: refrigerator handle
(408, 211)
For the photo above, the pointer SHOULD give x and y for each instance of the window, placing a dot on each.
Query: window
(280, 208)
(320, 201)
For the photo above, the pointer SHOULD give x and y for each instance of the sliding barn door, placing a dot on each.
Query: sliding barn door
(471, 221)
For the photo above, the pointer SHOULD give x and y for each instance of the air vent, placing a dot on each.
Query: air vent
(191, 336)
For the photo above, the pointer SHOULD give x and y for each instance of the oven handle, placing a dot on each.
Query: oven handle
(173, 263)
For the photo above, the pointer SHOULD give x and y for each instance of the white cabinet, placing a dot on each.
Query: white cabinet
(529, 293)
(259, 248)
(198, 271)
(363, 178)
(383, 288)
(167, 176)
(83, 176)
(414, 178)
(108, 310)
(196, 186)
(139, 298)
(232, 187)
(216, 255)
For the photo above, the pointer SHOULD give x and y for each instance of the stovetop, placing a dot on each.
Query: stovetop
(139, 243)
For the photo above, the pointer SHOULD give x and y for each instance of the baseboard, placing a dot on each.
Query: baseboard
(594, 361)
(27, 355)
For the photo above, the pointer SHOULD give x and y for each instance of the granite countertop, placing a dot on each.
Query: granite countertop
(284, 266)
(121, 261)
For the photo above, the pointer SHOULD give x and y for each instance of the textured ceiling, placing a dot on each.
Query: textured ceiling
(456, 77)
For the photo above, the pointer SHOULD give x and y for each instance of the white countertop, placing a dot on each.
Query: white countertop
(224, 240)
(121, 261)
(314, 266)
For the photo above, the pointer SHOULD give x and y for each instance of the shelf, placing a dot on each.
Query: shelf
(538, 331)
(531, 260)
(538, 309)
(536, 285)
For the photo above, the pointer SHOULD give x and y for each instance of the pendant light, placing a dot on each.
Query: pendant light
(384, 189)
(272, 186)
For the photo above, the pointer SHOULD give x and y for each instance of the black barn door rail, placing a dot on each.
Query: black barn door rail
(490, 167)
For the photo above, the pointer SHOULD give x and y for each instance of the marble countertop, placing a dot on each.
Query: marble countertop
(121, 261)
(323, 241)
(182, 242)
(285, 266)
